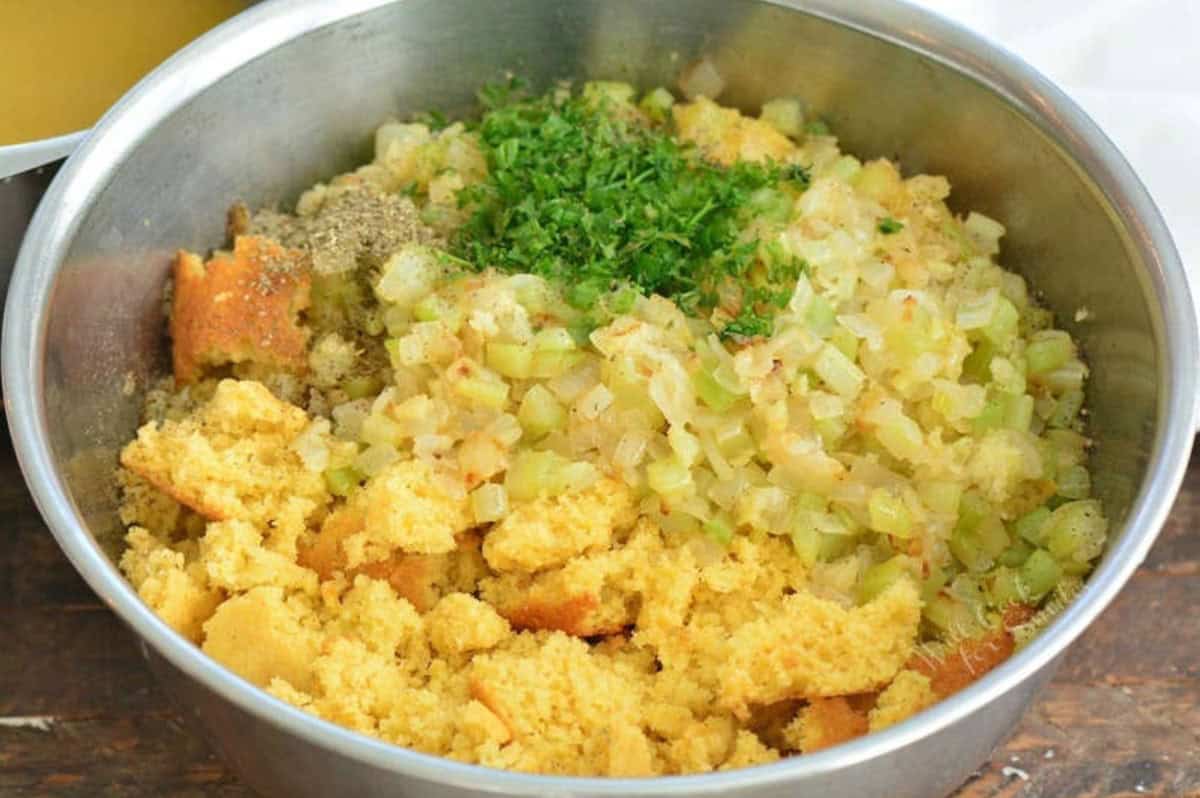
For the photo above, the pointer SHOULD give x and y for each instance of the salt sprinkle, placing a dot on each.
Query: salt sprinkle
(1009, 772)
(1050, 753)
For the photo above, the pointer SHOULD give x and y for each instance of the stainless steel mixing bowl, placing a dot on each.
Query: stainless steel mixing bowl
(288, 93)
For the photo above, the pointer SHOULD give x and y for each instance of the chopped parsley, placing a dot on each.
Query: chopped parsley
(601, 205)
(888, 225)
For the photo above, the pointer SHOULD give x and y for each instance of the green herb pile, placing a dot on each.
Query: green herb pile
(602, 203)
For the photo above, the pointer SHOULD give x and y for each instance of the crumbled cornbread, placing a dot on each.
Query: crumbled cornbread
(240, 306)
(611, 438)
(549, 531)
(908, 694)
(814, 648)
(232, 460)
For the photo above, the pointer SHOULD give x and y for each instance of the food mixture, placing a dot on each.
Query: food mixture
(611, 435)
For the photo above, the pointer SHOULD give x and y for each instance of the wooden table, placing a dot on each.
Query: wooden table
(80, 714)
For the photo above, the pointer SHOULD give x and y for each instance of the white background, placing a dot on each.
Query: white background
(1134, 66)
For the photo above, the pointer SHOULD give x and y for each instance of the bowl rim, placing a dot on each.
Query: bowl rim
(249, 35)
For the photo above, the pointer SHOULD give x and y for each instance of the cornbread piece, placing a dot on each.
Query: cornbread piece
(263, 635)
(549, 531)
(600, 594)
(406, 508)
(234, 558)
(950, 668)
(725, 136)
(824, 723)
(748, 751)
(461, 623)
(232, 460)
(815, 648)
(420, 578)
(174, 588)
(425, 578)
(144, 505)
(583, 598)
(564, 706)
(239, 307)
(908, 694)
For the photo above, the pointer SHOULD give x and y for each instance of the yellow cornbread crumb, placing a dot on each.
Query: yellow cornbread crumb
(235, 560)
(232, 460)
(815, 648)
(264, 634)
(175, 589)
(823, 723)
(561, 703)
(549, 531)
(909, 693)
(748, 750)
(461, 623)
(406, 507)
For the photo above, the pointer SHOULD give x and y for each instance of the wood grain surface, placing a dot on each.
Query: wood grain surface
(80, 714)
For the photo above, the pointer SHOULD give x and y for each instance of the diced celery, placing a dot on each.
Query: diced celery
(362, 386)
(1016, 554)
(685, 445)
(992, 415)
(548, 364)
(1048, 350)
(487, 393)
(341, 481)
(1018, 411)
(949, 615)
(1066, 410)
(1074, 482)
(1002, 329)
(977, 365)
(831, 430)
(430, 308)
(834, 546)
(531, 474)
(940, 496)
(786, 115)
(839, 372)
(889, 514)
(845, 341)
(972, 509)
(541, 412)
(881, 576)
(711, 392)
(806, 541)
(1030, 526)
(1039, 574)
(1068, 377)
(820, 317)
(657, 104)
(846, 167)
(1005, 586)
(554, 339)
(770, 204)
(379, 429)
(719, 530)
(669, 477)
(1075, 531)
(978, 547)
(510, 360)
